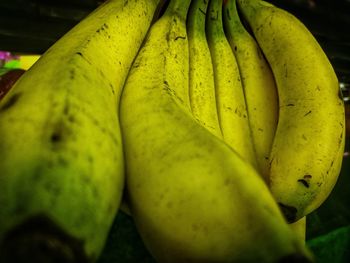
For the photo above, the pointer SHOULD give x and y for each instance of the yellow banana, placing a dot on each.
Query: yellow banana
(307, 150)
(193, 199)
(258, 84)
(61, 156)
(299, 228)
(201, 75)
(232, 111)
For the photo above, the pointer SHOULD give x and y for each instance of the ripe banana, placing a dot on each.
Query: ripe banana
(231, 105)
(258, 84)
(201, 75)
(299, 228)
(192, 197)
(307, 150)
(61, 156)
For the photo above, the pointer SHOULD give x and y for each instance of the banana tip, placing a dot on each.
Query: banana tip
(40, 240)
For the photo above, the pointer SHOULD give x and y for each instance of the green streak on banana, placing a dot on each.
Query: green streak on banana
(193, 199)
(258, 83)
(307, 150)
(61, 156)
(201, 79)
(232, 111)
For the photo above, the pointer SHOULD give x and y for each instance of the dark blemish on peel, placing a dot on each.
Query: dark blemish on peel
(180, 37)
(304, 182)
(200, 10)
(56, 137)
(307, 113)
(11, 101)
(329, 169)
(112, 88)
(290, 105)
(72, 74)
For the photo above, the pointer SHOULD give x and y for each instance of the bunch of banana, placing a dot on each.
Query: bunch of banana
(258, 85)
(192, 197)
(61, 155)
(232, 110)
(308, 145)
(225, 125)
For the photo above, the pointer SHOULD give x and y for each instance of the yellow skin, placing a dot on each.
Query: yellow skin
(201, 75)
(61, 153)
(299, 228)
(231, 106)
(258, 83)
(193, 199)
(307, 150)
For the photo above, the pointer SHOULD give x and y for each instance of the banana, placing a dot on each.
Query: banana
(201, 75)
(232, 111)
(307, 150)
(258, 84)
(192, 198)
(299, 228)
(61, 156)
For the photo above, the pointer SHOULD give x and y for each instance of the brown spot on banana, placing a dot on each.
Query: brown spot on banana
(305, 180)
(307, 113)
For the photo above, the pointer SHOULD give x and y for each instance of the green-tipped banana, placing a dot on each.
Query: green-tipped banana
(192, 197)
(258, 83)
(61, 156)
(308, 147)
(232, 111)
(201, 78)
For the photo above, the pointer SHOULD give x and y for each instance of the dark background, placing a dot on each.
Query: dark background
(31, 26)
